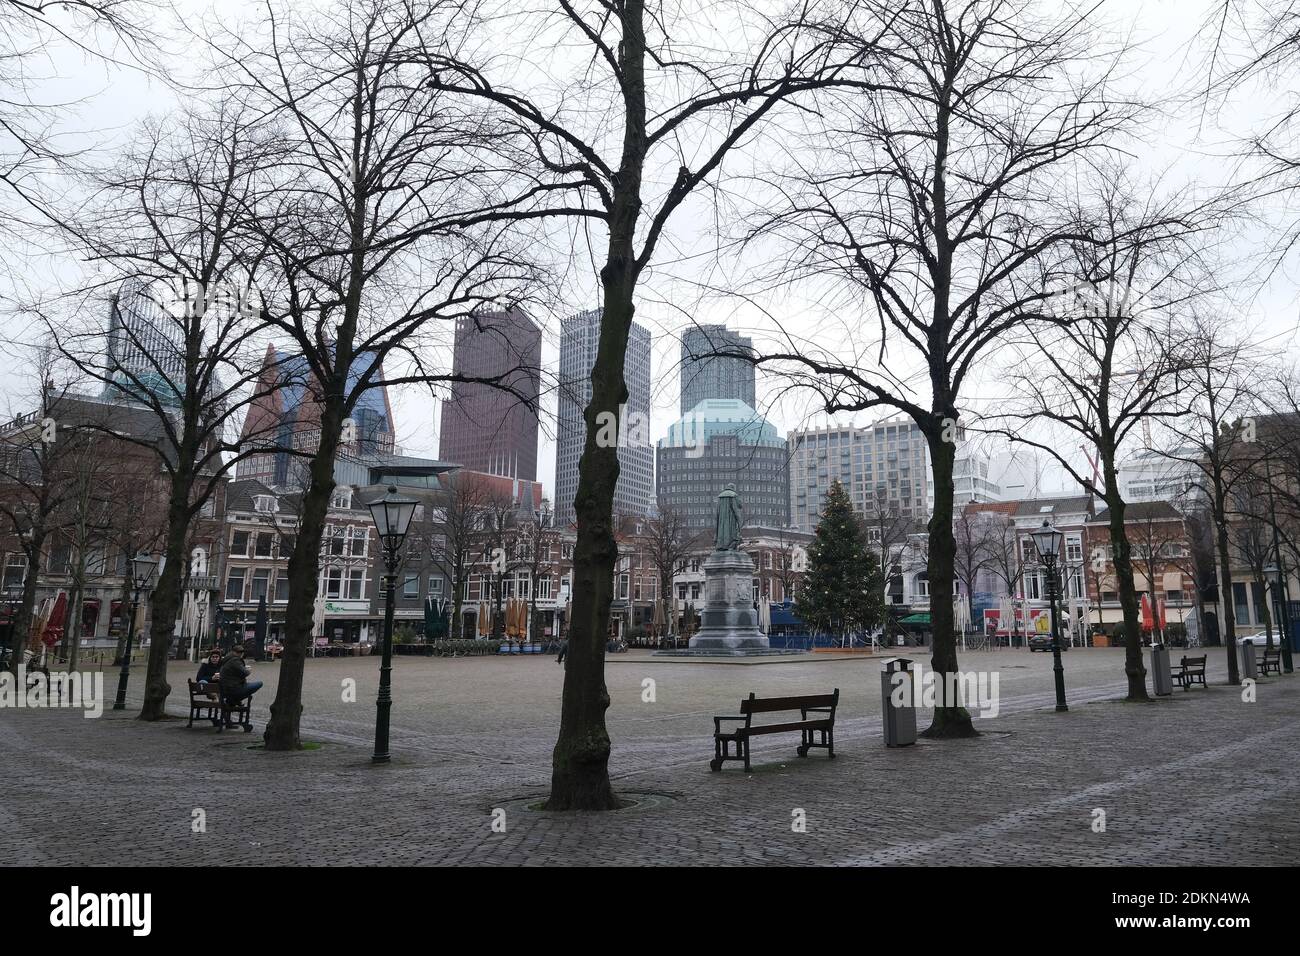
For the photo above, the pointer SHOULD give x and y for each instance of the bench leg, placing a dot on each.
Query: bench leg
(828, 737)
(744, 742)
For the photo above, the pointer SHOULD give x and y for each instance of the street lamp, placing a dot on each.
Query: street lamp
(142, 568)
(392, 516)
(1048, 542)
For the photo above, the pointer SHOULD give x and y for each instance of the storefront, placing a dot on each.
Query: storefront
(349, 622)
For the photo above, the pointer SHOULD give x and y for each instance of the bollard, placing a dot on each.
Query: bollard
(899, 721)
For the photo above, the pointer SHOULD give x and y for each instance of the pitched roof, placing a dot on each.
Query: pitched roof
(1142, 511)
(1046, 506)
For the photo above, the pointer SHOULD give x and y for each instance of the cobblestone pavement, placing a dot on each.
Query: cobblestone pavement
(1199, 778)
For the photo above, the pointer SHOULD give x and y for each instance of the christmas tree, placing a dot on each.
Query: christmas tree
(843, 588)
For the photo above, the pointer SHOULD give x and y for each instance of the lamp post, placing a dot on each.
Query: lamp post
(202, 599)
(1048, 542)
(142, 568)
(392, 516)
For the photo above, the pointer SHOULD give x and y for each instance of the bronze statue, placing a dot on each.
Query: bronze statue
(727, 530)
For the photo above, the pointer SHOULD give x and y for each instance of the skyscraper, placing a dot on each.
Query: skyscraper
(285, 417)
(579, 339)
(705, 375)
(146, 348)
(485, 428)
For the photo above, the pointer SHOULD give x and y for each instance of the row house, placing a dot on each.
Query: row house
(260, 532)
(1161, 553)
(91, 455)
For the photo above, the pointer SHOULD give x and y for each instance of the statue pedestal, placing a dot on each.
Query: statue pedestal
(728, 621)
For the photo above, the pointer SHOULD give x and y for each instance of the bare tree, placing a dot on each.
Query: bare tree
(377, 213)
(934, 203)
(454, 538)
(668, 543)
(1109, 361)
(974, 538)
(642, 102)
(1212, 437)
(184, 321)
(1007, 562)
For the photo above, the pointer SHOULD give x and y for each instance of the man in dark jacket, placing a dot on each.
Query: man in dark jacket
(234, 676)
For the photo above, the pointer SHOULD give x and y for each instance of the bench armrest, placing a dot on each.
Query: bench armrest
(719, 718)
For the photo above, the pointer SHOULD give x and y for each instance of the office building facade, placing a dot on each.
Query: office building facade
(486, 428)
(705, 375)
(579, 340)
(721, 442)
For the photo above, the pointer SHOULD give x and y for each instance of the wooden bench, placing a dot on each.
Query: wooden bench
(1272, 660)
(204, 702)
(822, 724)
(208, 703)
(1191, 670)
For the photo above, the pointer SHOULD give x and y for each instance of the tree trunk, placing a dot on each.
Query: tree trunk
(1225, 591)
(304, 580)
(125, 607)
(580, 761)
(166, 597)
(22, 624)
(1123, 561)
(950, 719)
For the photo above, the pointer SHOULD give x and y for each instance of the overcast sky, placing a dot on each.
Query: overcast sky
(1191, 146)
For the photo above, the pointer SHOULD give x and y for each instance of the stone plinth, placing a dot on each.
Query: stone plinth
(729, 621)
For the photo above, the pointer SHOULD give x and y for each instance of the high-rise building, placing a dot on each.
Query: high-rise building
(705, 374)
(579, 340)
(883, 467)
(720, 442)
(285, 418)
(488, 428)
(145, 349)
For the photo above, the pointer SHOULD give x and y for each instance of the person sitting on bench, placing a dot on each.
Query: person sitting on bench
(209, 672)
(235, 685)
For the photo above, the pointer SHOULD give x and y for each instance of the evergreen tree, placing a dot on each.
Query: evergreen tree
(843, 588)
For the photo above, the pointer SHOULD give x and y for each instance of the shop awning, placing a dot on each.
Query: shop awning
(922, 619)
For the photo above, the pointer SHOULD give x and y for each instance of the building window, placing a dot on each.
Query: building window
(411, 586)
(261, 581)
(15, 571)
(357, 546)
(239, 544)
(333, 582)
(281, 587)
(235, 585)
(1073, 548)
(435, 587)
(356, 584)
(263, 545)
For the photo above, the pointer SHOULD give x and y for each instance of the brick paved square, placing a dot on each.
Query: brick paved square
(1182, 780)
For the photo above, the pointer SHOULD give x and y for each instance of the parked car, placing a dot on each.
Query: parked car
(1259, 640)
(1043, 642)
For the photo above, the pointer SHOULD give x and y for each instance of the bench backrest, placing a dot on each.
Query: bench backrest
(1274, 651)
(1194, 661)
(771, 704)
